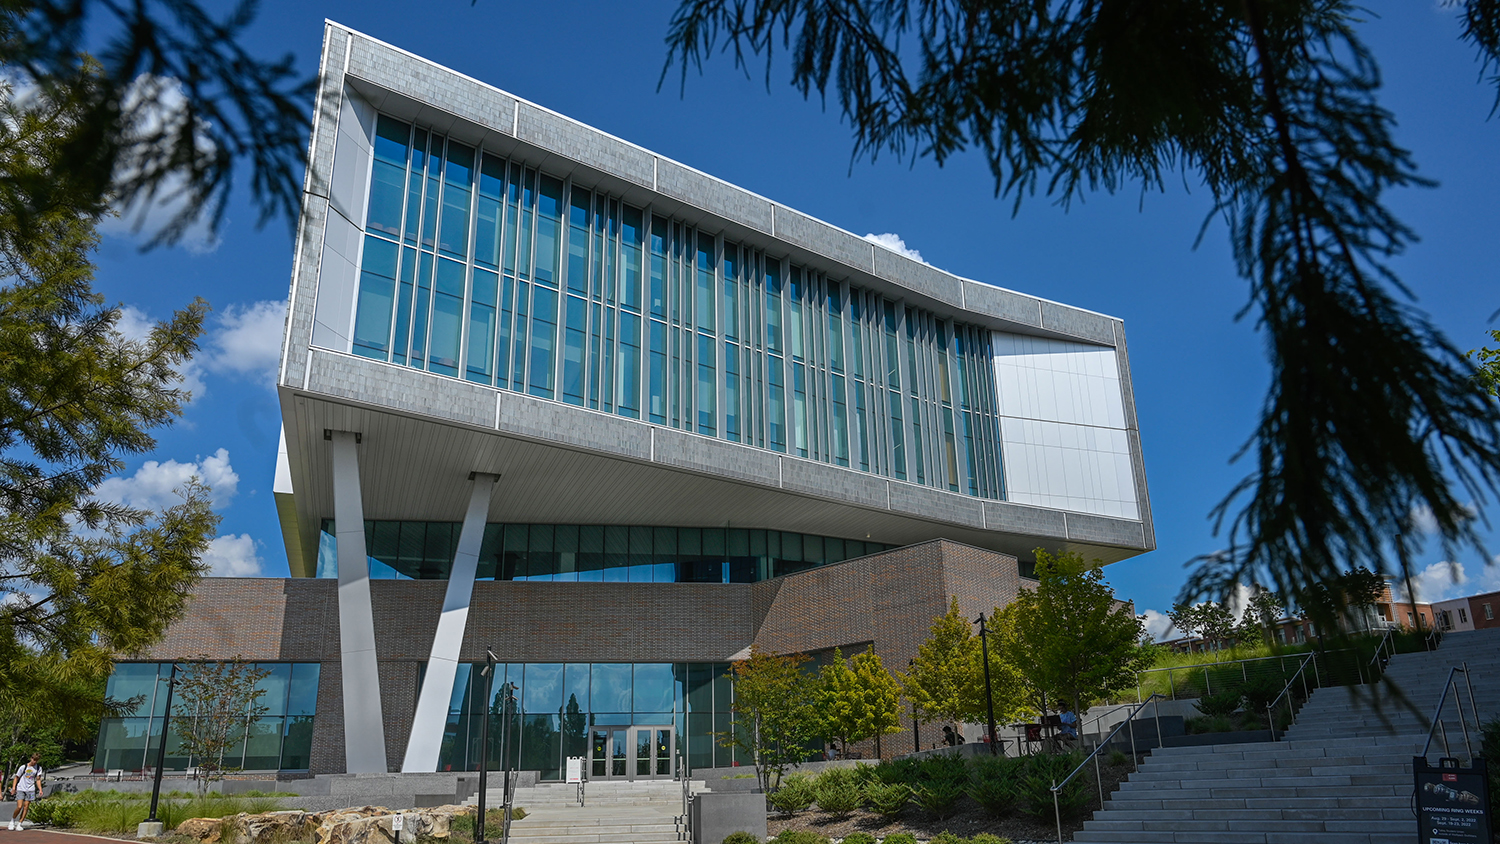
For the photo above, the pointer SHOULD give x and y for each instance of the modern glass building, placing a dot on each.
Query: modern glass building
(549, 395)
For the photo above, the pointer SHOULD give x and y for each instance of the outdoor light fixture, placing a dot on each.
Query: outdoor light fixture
(488, 673)
(989, 696)
(161, 749)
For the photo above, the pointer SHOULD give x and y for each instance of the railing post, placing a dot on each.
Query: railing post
(1443, 728)
(1057, 811)
(1271, 720)
(1208, 688)
(1244, 673)
(1099, 777)
(1171, 687)
(1156, 711)
(1135, 758)
(1462, 721)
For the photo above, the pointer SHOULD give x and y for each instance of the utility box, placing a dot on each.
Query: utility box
(1453, 801)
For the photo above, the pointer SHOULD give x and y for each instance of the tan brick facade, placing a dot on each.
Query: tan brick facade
(887, 600)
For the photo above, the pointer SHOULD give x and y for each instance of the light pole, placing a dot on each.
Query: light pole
(161, 749)
(916, 736)
(484, 741)
(989, 696)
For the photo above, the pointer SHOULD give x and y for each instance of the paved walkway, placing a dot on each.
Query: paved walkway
(49, 836)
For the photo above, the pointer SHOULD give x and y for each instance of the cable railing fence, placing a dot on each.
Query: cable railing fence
(1129, 721)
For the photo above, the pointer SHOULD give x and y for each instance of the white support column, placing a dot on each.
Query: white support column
(442, 666)
(364, 726)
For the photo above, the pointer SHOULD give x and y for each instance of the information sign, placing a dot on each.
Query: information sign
(1452, 802)
(397, 822)
(575, 769)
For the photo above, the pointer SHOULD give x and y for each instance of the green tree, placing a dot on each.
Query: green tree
(858, 702)
(941, 678)
(81, 580)
(218, 703)
(1069, 637)
(167, 105)
(1487, 365)
(1273, 106)
(1347, 599)
(1263, 609)
(775, 714)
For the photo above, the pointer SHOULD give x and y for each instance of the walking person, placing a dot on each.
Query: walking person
(26, 782)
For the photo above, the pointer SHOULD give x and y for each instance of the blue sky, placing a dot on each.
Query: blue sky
(1199, 374)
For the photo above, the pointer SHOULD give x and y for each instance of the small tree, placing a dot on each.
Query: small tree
(860, 702)
(219, 701)
(1262, 611)
(941, 681)
(774, 704)
(1068, 636)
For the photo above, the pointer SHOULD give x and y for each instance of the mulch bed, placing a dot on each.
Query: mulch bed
(970, 819)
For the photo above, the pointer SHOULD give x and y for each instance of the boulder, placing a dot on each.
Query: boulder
(207, 830)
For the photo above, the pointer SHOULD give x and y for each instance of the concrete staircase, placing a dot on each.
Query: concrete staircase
(1341, 776)
(616, 812)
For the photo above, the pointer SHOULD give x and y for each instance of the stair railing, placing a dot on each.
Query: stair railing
(1439, 727)
(1286, 692)
(684, 822)
(1099, 748)
(1376, 664)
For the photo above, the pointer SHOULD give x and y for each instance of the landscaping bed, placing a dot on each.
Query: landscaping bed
(1006, 798)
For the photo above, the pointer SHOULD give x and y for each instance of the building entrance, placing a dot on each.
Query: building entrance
(631, 753)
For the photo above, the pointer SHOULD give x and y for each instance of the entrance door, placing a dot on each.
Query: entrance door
(631, 752)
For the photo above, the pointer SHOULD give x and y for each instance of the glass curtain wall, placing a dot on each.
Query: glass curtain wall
(556, 704)
(279, 740)
(478, 267)
(609, 553)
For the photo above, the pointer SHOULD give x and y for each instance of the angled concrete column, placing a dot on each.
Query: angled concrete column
(364, 727)
(442, 666)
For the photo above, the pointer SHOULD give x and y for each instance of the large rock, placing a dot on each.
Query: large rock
(362, 825)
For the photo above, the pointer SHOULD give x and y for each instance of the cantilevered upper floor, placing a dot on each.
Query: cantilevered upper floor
(483, 285)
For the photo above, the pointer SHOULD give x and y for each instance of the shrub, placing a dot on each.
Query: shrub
(1260, 692)
(946, 837)
(997, 795)
(741, 838)
(799, 836)
(944, 769)
(887, 799)
(835, 776)
(794, 795)
(1035, 787)
(1117, 758)
(859, 838)
(54, 812)
(838, 796)
(1219, 704)
(938, 799)
(900, 838)
(986, 838)
(863, 774)
(905, 771)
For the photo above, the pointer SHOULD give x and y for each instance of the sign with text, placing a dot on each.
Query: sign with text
(397, 822)
(1452, 802)
(575, 769)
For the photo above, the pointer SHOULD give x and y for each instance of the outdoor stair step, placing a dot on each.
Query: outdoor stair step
(1247, 837)
(1266, 825)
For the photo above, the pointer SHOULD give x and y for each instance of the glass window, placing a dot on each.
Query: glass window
(628, 382)
(481, 352)
(630, 258)
(447, 315)
(703, 304)
(776, 403)
(377, 287)
(731, 392)
(136, 680)
(455, 230)
(658, 373)
(548, 225)
(543, 342)
(731, 311)
(654, 688)
(707, 405)
(611, 690)
(574, 335)
(773, 306)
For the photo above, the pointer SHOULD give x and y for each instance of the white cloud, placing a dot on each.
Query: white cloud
(1159, 627)
(1422, 520)
(893, 242)
(159, 107)
(1444, 580)
(154, 485)
(247, 340)
(232, 556)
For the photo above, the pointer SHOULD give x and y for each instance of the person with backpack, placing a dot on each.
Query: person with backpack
(27, 783)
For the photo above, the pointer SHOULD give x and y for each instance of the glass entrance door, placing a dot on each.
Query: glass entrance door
(631, 752)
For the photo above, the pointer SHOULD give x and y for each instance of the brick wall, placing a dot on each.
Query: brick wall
(887, 600)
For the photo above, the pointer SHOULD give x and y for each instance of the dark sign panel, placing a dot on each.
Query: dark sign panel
(1452, 802)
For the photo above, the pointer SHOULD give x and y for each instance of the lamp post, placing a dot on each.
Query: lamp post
(989, 696)
(161, 748)
(488, 673)
(916, 736)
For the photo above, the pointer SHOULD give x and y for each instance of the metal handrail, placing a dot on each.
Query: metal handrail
(685, 822)
(1442, 702)
(1094, 754)
(1285, 690)
(1389, 631)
